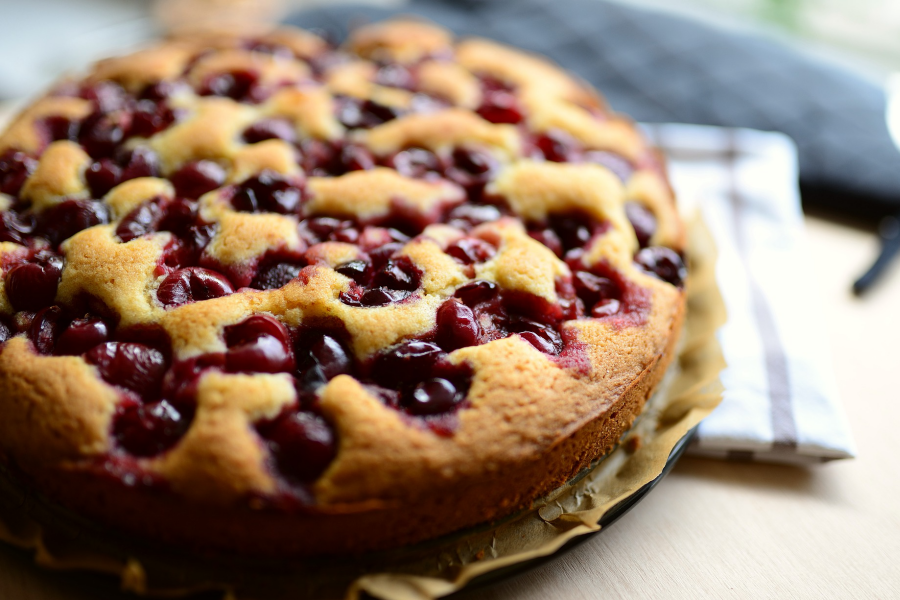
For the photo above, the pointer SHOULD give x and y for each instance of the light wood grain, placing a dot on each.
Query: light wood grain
(716, 529)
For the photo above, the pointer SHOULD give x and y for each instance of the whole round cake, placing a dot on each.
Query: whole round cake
(266, 295)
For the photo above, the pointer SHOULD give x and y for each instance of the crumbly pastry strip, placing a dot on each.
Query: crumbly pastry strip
(281, 297)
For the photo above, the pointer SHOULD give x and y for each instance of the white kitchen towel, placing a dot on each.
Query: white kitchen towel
(780, 402)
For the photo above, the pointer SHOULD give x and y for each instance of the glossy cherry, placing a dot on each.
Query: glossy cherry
(143, 219)
(192, 284)
(147, 430)
(457, 326)
(303, 445)
(15, 167)
(15, 227)
(102, 176)
(415, 162)
(135, 367)
(44, 328)
(471, 250)
(150, 118)
(406, 363)
(643, 221)
(477, 291)
(81, 335)
(356, 270)
(398, 274)
(270, 129)
(260, 344)
(101, 133)
(67, 218)
(32, 285)
(433, 396)
(237, 85)
(267, 192)
(466, 216)
(331, 357)
(197, 178)
(663, 262)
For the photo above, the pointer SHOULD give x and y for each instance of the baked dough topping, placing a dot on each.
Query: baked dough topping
(217, 254)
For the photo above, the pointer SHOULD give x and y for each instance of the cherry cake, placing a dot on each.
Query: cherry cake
(274, 296)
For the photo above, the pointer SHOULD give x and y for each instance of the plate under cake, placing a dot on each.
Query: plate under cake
(266, 295)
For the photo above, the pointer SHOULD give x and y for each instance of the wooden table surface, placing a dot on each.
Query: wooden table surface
(716, 529)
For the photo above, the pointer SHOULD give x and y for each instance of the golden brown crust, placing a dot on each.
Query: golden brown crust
(531, 419)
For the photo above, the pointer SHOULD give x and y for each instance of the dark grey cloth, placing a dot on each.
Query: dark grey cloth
(659, 67)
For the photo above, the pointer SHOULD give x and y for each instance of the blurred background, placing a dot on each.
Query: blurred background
(40, 39)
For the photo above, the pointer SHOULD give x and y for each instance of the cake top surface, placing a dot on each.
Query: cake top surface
(242, 252)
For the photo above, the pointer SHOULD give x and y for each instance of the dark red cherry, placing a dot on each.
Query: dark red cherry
(107, 96)
(398, 274)
(44, 329)
(179, 217)
(573, 230)
(543, 337)
(67, 218)
(356, 158)
(500, 106)
(382, 253)
(330, 356)
(197, 178)
(643, 221)
(474, 162)
(60, 128)
(457, 326)
(557, 146)
(81, 335)
(267, 192)
(466, 216)
(192, 284)
(150, 118)
(406, 362)
(32, 285)
(276, 275)
(102, 176)
(101, 133)
(148, 429)
(15, 167)
(355, 270)
(594, 289)
(476, 292)
(135, 367)
(381, 296)
(354, 113)
(303, 445)
(317, 157)
(260, 344)
(15, 228)
(538, 341)
(414, 162)
(548, 238)
(320, 229)
(471, 250)
(139, 162)
(270, 129)
(159, 91)
(237, 85)
(433, 396)
(663, 262)
(143, 219)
